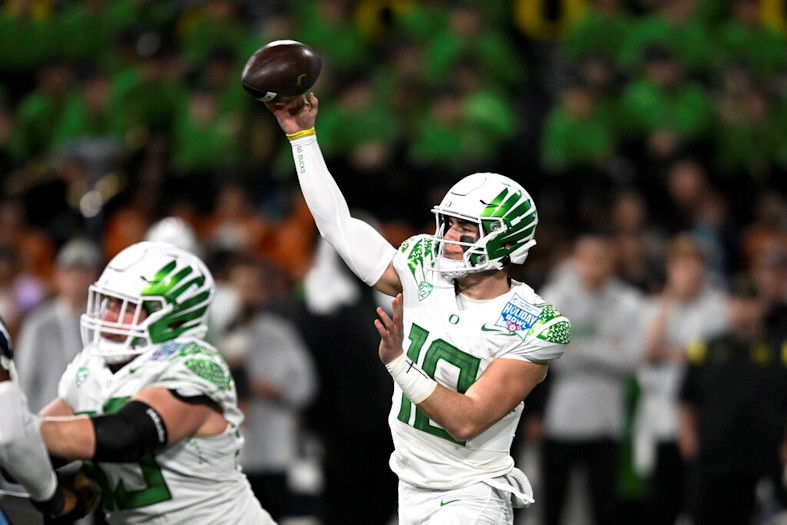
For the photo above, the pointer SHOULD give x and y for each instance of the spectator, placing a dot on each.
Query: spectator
(234, 225)
(87, 113)
(280, 381)
(733, 413)
(688, 309)
(578, 133)
(584, 413)
(360, 118)
(20, 292)
(40, 111)
(326, 25)
(676, 25)
(82, 30)
(205, 138)
(638, 242)
(50, 336)
(467, 34)
(748, 133)
(746, 39)
(601, 31)
(447, 136)
(687, 185)
(663, 108)
(25, 35)
(147, 100)
(33, 246)
(214, 24)
(768, 228)
(357, 447)
(769, 272)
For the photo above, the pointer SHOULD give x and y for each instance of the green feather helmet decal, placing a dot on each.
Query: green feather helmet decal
(186, 314)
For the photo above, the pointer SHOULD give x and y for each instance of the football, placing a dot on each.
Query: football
(281, 70)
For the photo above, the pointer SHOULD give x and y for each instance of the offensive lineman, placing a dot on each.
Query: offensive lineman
(148, 402)
(477, 342)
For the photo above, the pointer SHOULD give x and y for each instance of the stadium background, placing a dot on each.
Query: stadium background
(643, 118)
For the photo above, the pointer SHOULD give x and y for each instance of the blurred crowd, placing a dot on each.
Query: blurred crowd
(652, 135)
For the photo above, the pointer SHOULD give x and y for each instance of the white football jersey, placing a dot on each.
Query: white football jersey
(454, 340)
(196, 480)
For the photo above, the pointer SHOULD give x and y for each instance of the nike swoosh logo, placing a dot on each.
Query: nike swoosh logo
(444, 503)
(500, 330)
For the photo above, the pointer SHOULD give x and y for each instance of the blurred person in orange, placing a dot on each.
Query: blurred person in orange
(234, 225)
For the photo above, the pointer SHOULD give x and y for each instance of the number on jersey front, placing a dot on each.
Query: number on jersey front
(438, 350)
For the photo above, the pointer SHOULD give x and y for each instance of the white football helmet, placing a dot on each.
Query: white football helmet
(506, 218)
(157, 292)
(175, 230)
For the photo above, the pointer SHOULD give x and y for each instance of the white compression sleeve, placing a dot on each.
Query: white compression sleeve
(364, 250)
(22, 451)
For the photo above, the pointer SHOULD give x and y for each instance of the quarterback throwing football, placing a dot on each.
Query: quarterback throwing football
(465, 344)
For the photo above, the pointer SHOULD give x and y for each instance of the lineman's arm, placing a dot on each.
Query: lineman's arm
(22, 453)
(152, 419)
(502, 386)
(24, 457)
(364, 250)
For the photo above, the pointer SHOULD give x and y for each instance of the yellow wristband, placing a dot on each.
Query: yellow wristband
(299, 134)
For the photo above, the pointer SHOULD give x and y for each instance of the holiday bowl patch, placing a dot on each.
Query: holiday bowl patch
(165, 351)
(518, 316)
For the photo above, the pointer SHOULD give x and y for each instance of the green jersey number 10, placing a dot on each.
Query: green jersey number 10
(438, 349)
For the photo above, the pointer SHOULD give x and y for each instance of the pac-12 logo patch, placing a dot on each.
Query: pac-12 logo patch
(518, 316)
(82, 375)
(424, 289)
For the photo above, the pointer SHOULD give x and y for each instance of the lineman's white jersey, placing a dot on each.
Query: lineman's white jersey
(197, 480)
(455, 344)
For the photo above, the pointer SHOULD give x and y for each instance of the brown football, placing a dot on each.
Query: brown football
(281, 70)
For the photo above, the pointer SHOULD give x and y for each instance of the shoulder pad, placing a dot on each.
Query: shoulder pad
(210, 371)
(178, 349)
(417, 250)
(551, 326)
(194, 362)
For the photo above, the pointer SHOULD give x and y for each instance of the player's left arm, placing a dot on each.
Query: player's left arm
(151, 420)
(502, 386)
